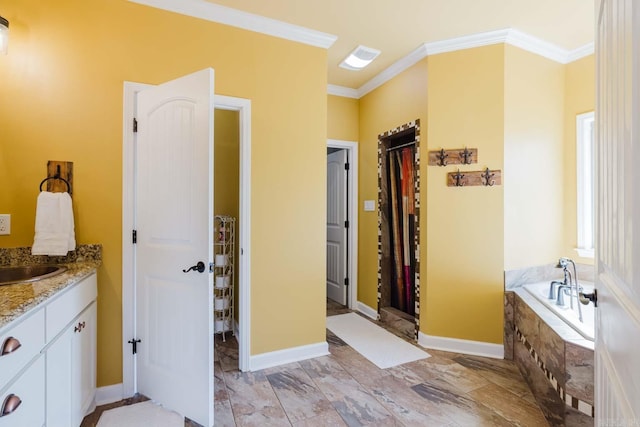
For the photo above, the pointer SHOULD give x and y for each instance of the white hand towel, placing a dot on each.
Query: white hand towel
(55, 234)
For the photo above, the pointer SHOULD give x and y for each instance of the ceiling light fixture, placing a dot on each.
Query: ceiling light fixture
(359, 58)
(4, 35)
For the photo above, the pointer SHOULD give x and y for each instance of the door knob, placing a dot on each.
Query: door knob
(199, 267)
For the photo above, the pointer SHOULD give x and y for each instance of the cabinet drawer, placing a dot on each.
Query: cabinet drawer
(30, 333)
(63, 309)
(29, 388)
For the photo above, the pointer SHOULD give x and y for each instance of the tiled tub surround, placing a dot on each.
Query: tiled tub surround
(18, 298)
(555, 360)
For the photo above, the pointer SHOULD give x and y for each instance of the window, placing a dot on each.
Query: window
(585, 168)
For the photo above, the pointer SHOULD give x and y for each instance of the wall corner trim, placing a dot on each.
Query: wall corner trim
(109, 394)
(367, 311)
(287, 355)
(247, 21)
(475, 348)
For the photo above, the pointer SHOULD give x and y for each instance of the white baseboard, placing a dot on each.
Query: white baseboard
(109, 394)
(367, 311)
(288, 355)
(475, 348)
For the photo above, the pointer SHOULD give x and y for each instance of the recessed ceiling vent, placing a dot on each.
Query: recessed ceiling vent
(359, 58)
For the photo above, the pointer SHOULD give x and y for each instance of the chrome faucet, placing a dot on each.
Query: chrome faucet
(570, 282)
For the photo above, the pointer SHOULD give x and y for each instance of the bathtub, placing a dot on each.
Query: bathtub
(586, 328)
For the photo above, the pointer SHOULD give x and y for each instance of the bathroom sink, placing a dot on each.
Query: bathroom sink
(28, 273)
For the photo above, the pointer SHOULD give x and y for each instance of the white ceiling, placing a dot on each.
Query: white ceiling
(398, 27)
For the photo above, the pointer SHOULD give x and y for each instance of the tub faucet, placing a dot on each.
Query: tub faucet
(571, 279)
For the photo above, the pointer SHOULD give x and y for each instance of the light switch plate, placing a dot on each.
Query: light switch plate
(5, 224)
(369, 205)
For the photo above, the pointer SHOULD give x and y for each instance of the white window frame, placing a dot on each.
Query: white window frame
(585, 184)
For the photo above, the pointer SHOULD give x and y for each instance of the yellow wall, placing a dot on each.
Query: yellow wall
(533, 159)
(342, 118)
(465, 246)
(579, 96)
(398, 101)
(64, 78)
(226, 177)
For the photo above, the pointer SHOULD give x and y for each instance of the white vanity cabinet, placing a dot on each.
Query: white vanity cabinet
(51, 369)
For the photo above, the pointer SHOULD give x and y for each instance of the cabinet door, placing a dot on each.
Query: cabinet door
(84, 372)
(60, 366)
(71, 372)
(29, 388)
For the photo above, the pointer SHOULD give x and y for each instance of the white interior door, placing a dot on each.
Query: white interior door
(617, 400)
(336, 229)
(174, 220)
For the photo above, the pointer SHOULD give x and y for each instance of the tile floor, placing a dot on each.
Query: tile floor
(345, 389)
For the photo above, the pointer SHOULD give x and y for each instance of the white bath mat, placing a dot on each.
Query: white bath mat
(140, 414)
(382, 348)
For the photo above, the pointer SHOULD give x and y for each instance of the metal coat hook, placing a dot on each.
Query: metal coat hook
(466, 156)
(486, 176)
(442, 158)
(459, 177)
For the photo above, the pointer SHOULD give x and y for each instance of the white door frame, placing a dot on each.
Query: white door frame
(352, 216)
(243, 106)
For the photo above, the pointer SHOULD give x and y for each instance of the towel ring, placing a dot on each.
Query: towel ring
(56, 177)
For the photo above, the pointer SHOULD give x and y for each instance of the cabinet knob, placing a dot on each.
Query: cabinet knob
(10, 404)
(10, 345)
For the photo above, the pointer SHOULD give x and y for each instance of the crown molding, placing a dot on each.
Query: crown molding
(345, 92)
(248, 21)
(396, 68)
(535, 45)
(467, 42)
(509, 36)
(581, 52)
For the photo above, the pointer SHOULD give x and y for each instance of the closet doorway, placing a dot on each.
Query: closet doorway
(399, 219)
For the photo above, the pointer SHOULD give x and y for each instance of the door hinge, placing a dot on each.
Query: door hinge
(134, 236)
(346, 224)
(346, 281)
(135, 125)
(134, 342)
(346, 166)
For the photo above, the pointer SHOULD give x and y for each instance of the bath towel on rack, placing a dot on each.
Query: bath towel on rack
(54, 230)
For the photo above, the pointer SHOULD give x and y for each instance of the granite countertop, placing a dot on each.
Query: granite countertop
(18, 298)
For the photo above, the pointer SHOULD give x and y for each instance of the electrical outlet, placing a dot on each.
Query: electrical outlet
(5, 224)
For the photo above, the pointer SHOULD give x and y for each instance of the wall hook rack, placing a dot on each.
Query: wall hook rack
(453, 156)
(442, 157)
(487, 176)
(466, 156)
